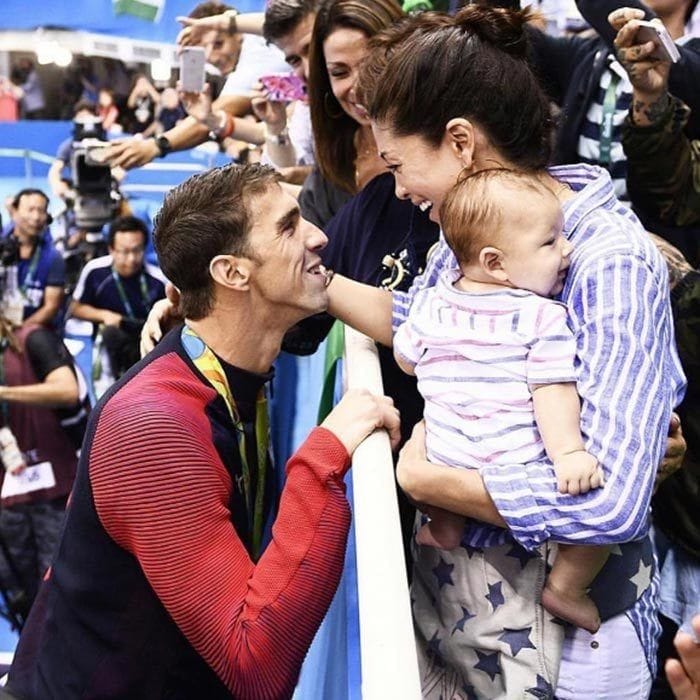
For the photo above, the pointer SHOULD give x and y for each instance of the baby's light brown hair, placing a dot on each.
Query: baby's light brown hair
(470, 215)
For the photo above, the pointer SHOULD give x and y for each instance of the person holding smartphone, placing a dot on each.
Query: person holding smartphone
(664, 164)
(583, 76)
(285, 125)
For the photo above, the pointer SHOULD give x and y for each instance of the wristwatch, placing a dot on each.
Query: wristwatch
(281, 139)
(164, 146)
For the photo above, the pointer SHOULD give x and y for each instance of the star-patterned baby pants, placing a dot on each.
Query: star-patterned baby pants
(480, 630)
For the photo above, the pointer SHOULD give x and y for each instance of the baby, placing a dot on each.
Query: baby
(494, 359)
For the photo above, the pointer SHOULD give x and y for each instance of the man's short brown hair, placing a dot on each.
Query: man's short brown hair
(205, 216)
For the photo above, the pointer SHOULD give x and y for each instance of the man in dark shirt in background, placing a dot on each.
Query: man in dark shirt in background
(117, 291)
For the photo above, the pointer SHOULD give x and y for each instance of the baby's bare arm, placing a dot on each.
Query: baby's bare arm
(558, 416)
(404, 364)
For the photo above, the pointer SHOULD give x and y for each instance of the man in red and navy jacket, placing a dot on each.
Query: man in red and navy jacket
(161, 587)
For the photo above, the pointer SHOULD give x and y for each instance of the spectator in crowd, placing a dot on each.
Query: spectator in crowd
(116, 292)
(683, 81)
(674, 505)
(663, 163)
(170, 112)
(593, 90)
(60, 175)
(9, 100)
(45, 406)
(107, 110)
(88, 79)
(660, 179)
(285, 130)
(32, 102)
(346, 154)
(234, 45)
(225, 48)
(143, 101)
(34, 284)
(162, 545)
(71, 90)
(289, 140)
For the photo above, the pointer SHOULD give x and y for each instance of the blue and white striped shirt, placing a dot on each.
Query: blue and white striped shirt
(629, 378)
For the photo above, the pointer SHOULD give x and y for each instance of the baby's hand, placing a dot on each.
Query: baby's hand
(578, 472)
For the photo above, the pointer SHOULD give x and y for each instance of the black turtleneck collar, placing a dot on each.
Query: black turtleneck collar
(245, 387)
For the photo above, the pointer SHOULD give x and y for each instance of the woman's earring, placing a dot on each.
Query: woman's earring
(328, 109)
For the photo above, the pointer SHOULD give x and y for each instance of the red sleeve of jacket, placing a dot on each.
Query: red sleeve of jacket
(163, 495)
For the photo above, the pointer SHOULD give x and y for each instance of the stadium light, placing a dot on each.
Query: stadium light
(160, 70)
(52, 52)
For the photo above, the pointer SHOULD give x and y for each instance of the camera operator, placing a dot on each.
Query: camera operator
(118, 290)
(60, 176)
(43, 402)
(87, 185)
(33, 271)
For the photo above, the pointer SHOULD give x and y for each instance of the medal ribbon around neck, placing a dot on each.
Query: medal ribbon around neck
(210, 367)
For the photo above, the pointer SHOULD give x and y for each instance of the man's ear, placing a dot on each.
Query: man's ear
(461, 138)
(231, 272)
(492, 263)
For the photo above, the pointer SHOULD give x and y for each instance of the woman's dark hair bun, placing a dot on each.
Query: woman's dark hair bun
(504, 29)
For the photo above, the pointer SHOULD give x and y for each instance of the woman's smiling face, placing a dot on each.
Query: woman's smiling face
(343, 50)
(424, 174)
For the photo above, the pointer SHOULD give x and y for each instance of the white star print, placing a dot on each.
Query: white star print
(642, 578)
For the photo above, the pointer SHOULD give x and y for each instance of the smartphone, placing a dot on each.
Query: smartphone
(192, 60)
(284, 87)
(666, 49)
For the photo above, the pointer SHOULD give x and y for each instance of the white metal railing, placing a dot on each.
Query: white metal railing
(387, 646)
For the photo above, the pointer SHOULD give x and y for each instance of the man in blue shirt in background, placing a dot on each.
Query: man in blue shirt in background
(35, 274)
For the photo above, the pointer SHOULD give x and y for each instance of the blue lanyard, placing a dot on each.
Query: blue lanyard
(122, 294)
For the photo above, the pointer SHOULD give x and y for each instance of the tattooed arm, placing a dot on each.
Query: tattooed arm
(648, 75)
(648, 109)
(663, 166)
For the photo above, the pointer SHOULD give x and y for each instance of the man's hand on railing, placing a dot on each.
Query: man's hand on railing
(358, 414)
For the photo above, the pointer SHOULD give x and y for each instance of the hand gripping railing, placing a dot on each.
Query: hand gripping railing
(389, 663)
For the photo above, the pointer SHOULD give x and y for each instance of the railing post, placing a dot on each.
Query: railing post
(388, 650)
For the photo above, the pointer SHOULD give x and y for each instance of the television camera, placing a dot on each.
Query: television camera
(96, 195)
